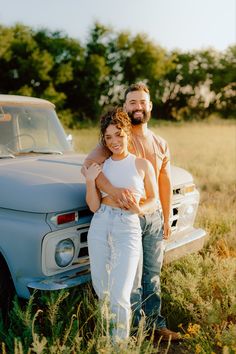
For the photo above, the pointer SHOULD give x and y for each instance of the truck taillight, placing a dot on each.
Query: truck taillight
(68, 217)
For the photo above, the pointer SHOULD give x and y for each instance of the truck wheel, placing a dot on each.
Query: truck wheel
(7, 289)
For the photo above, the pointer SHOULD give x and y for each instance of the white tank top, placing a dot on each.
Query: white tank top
(124, 174)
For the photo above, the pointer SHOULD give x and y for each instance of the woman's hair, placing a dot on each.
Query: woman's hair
(117, 117)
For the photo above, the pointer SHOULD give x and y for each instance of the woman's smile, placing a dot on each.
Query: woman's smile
(116, 141)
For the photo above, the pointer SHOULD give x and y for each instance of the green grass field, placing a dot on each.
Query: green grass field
(199, 290)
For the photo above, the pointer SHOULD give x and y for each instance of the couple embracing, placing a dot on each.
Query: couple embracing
(129, 191)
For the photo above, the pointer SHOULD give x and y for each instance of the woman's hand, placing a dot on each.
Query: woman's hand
(92, 171)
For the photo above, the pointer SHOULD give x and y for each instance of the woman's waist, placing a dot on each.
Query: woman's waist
(111, 204)
(109, 201)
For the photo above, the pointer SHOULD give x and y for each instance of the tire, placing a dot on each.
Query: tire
(7, 290)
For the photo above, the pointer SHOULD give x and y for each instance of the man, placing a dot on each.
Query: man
(156, 223)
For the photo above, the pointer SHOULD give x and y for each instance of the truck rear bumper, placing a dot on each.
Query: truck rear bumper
(189, 244)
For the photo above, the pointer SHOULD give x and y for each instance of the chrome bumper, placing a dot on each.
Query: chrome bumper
(173, 250)
(61, 281)
(189, 244)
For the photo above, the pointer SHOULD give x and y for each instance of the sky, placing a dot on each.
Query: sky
(173, 24)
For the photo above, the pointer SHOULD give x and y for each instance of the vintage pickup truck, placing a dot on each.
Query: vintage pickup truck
(44, 218)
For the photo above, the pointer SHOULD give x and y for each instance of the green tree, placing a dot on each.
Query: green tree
(83, 80)
(224, 82)
(95, 76)
(68, 61)
(23, 64)
(135, 59)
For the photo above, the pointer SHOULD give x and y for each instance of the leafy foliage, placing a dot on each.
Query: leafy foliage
(83, 80)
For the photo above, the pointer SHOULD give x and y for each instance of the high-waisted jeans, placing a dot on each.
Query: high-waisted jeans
(114, 242)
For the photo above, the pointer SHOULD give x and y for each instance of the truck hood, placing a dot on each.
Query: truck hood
(42, 184)
(180, 177)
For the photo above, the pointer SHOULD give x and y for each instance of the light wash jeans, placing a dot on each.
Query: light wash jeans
(114, 243)
(145, 297)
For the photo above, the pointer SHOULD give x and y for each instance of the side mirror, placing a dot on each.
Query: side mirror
(69, 138)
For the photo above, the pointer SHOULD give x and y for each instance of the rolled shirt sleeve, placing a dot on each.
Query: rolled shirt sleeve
(99, 154)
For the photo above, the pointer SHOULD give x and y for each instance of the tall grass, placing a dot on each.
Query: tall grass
(199, 290)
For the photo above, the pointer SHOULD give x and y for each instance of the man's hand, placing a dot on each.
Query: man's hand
(122, 197)
(166, 230)
(133, 205)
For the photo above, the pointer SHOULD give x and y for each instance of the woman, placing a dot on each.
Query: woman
(114, 237)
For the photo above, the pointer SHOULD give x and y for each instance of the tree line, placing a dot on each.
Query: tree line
(85, 79)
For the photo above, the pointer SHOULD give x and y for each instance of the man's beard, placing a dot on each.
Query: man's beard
(139, 120)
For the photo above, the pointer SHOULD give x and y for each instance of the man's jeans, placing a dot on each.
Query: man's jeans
(146, 291)
(114, 242)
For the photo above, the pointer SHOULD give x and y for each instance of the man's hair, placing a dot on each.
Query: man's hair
(139, 86)
(117, 117)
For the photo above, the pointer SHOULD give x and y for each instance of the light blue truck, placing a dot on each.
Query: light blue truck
(44, 218)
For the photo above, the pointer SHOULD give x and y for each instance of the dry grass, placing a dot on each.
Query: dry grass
(205, 149)
(208, 151)
(199, 290)
(202, 288)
